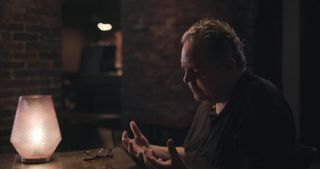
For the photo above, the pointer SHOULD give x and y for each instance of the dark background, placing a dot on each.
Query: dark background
(150, 89)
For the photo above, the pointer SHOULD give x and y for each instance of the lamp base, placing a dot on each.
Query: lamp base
(35, 161)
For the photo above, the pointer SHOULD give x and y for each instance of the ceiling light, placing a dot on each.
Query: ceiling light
(104, 26)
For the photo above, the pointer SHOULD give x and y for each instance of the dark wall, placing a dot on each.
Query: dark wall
(153, 89)
(29, 55)
(310, 91)
(267, 46)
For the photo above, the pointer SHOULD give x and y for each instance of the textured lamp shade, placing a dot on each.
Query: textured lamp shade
(35, 133)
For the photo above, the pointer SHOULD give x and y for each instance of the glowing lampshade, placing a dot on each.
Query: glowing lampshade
(35, 133)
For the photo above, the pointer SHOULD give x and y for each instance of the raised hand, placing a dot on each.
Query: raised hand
(138, 144)
(175, 161)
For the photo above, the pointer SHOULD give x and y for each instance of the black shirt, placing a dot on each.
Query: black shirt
(254, 130)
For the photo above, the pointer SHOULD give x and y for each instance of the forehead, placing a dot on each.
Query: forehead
(193, 55)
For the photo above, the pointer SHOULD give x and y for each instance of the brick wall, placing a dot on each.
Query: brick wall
(29, 56)
(153, 89)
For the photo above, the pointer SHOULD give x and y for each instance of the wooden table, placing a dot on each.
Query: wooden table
(72, 160)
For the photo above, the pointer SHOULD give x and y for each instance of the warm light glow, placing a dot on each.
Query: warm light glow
(35, 132)
(104, 26)
(37, 135)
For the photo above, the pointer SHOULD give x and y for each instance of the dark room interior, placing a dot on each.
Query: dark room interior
(105, 63)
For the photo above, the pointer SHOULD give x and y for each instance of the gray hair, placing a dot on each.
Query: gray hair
(221, 38)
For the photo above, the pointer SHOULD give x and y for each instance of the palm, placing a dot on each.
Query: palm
(138, 144)
(174, 162)
(141, 141)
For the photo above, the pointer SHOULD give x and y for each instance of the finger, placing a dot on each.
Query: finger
(155, 163)
(125, 139)
(125, 135)
(150, 166)
(131, 149)
(173, 151)
(153, 153)
(125, 144)
(135, 130)
(146, 160)
(140, 154)
(147, 163)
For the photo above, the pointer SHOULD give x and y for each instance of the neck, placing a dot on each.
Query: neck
(220, 105)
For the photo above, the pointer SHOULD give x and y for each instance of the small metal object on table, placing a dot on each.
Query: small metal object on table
(101, 153)
(115, 158)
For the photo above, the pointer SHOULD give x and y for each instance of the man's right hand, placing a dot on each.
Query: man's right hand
(138, 144)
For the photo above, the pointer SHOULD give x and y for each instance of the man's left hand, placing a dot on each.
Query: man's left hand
(175, 162)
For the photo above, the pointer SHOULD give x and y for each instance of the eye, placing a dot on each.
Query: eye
(196, 70)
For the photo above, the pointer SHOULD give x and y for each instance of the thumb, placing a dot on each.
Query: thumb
(173, 151)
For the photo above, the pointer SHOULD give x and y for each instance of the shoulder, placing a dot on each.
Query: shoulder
(204, 106)
(202, 111)
(260, 91)
(262, 102)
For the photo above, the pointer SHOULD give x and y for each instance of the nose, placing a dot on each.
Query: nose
(188, 76)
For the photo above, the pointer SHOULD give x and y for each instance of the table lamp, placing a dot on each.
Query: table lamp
(35, 133)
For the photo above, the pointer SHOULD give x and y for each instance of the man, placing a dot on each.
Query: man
(243, 120)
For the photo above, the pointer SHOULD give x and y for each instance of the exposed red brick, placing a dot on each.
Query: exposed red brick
(12, 64)
(25, 55)
(5, 93)
(38, 46)
(4, 74)
(32, 73)
(40, 64)
(5, 35)
(36, 28)
(29, 56)
(8, 103)
(5, 54)
(10, 45)
(26, 36)
(48, 54)
(6, 121)
(12, 26)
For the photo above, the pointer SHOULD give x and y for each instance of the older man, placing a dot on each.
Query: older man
(243, 120)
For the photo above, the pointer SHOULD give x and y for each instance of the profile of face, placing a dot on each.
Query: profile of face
(207, 78)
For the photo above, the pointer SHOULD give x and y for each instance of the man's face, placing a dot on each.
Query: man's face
(205, 77)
